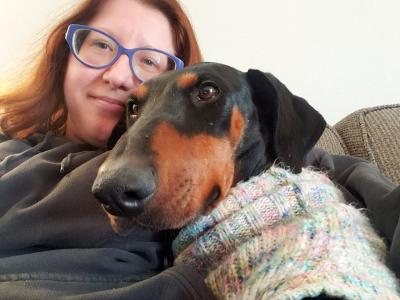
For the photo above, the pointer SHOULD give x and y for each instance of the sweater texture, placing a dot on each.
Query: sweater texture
(281, 235)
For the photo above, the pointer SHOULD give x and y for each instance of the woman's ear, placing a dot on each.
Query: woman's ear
(295, 125)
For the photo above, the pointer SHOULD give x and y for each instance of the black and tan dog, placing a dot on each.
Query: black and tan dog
(191, 135)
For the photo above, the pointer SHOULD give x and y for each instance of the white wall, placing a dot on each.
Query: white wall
(23, 24)
(341, 55)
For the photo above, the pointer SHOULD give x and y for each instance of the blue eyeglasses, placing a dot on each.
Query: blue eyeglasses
(97, 49)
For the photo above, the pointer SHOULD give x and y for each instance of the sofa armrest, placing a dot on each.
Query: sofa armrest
(374, 134)
(370, 133)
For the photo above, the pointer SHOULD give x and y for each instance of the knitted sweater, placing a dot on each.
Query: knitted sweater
(287, 236)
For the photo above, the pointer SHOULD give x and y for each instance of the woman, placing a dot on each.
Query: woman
(55, 239)
(42, 101)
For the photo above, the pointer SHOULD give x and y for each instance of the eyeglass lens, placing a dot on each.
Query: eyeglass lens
(98, 50)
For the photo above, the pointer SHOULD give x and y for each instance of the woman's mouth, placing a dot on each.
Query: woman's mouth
(110, 104)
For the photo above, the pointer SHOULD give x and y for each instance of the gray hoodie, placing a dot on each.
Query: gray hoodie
(56, 241)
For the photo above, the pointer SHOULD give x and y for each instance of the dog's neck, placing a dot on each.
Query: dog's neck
(250, 161)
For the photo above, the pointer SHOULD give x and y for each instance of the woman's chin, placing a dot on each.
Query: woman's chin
(100, 140)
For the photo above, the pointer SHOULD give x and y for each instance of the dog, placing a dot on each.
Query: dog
(190, 136)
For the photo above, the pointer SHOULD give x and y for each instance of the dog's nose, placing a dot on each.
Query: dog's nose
(125, 192)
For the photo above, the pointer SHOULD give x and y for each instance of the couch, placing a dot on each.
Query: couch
(371, 133)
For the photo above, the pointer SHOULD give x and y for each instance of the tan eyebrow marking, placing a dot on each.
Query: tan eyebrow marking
(141, 92)
(187, 80)
(237, 126)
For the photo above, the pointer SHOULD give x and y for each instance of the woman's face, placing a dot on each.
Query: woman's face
(95, 98)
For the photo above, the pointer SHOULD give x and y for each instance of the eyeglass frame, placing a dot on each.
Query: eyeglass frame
(72, 28)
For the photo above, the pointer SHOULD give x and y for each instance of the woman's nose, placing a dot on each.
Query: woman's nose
(120, 75)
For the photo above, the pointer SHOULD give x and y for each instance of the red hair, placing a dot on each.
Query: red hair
(38, 105)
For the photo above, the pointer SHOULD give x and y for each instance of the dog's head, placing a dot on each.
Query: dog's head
(191, 135)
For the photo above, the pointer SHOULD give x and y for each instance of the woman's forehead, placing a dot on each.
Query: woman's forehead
(134, 24)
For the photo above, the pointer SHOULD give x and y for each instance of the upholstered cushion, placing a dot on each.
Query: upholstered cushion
(374, 134)
(331, 142)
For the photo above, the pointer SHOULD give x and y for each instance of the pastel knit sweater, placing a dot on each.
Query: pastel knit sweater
(287, 236)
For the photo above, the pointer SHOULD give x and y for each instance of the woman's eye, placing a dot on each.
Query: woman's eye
(102, 45)
(207, 91)
(148, 63)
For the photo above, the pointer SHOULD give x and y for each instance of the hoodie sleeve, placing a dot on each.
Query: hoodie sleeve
(178, 282)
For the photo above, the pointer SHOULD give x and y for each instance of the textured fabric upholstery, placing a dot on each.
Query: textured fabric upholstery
(332, 142)
(370, 133)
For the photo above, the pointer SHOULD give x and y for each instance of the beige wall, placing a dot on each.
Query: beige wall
(340, 55)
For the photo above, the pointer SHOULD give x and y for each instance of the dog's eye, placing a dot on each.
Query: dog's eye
(207, 91)
(133, 108)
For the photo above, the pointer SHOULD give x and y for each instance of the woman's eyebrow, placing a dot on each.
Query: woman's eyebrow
(141, 38)
(106, 30)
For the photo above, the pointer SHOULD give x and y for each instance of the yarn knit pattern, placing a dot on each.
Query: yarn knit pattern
(281, 235)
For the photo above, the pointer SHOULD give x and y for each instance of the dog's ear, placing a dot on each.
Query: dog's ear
(287, 122)
(116, 133)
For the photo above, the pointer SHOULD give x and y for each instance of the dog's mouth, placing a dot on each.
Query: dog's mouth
(121, 225)
(212, 199)
(112, 209)
(129, 207)
(154, 218)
